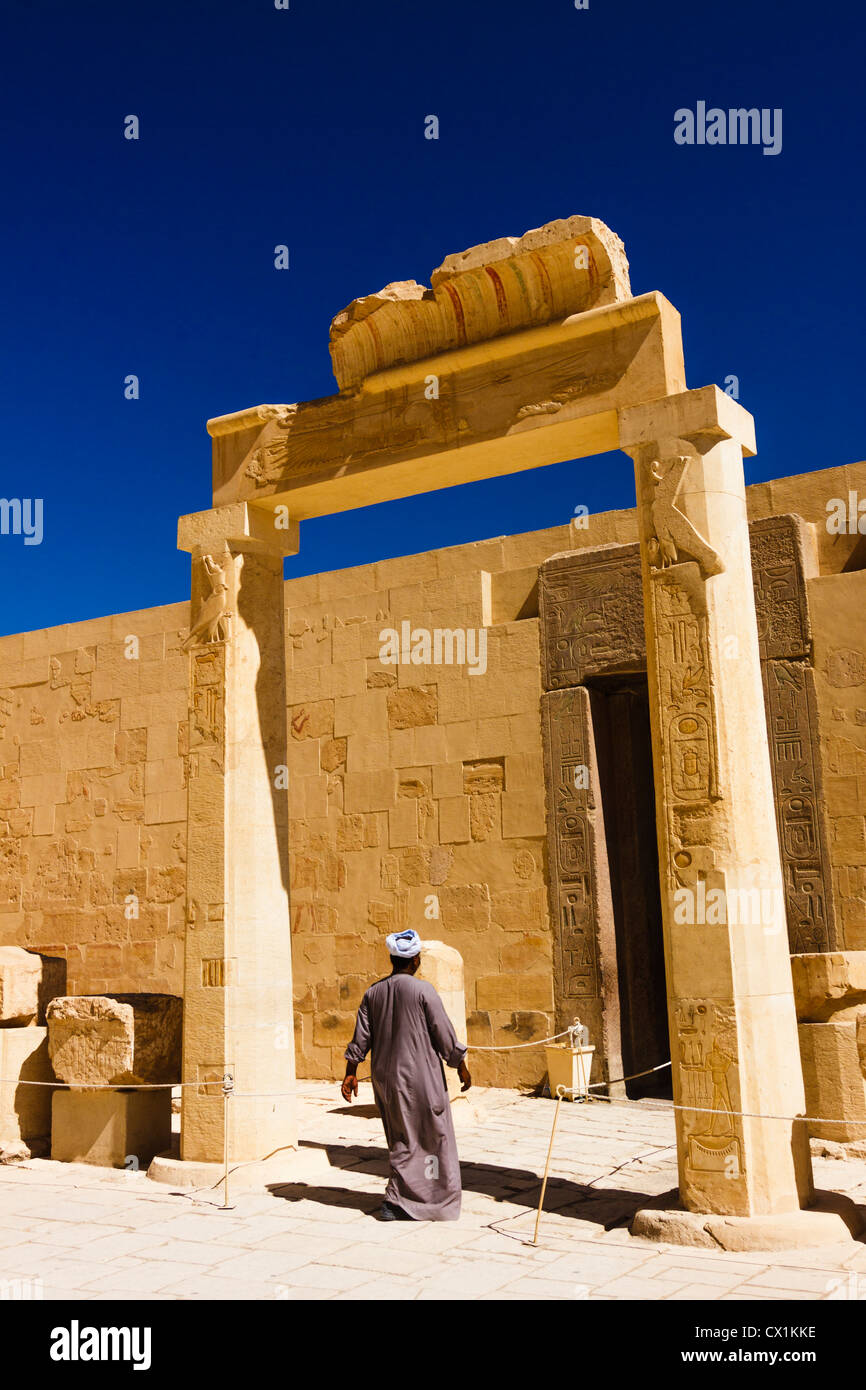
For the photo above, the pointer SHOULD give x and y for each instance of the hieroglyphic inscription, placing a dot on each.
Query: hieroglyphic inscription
(778, 573)
(207, 706)
(688, 722)
(793, 732)
(706, 1039)
(591, 609)
(568, 753)
(591, 604)
(591, 615)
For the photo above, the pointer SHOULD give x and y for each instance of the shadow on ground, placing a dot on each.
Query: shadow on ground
(606, 1207)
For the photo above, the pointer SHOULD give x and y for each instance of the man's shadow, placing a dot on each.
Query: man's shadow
(606, 1207)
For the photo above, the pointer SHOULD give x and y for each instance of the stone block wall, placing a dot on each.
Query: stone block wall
(839, 618)
(413, 789)
(93, 799)
(419, 795)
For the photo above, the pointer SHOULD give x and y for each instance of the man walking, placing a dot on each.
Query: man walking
(404, 1023)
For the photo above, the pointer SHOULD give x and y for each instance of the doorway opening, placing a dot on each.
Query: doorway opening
(621, 724)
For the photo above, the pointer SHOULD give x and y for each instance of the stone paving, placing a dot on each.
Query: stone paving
(69, 1231)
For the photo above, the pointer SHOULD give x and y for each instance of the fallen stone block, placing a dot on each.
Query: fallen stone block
(834, 1082)
(13, 1151)
(102, 1040)
(827, 983)
(158, 1024)
(20, 978)
(115, 1129)
(443, 966)
(25, 1109)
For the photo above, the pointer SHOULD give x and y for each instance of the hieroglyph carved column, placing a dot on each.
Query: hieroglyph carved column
(238, 970)
(730, 1001)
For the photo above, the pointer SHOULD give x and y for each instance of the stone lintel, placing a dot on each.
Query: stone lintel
(524, 400)
(568, 266)
(241, 526)
(704, 416)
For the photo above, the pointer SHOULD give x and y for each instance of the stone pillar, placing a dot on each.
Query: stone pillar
(237, 974)
(443, 966)
(730, 1001)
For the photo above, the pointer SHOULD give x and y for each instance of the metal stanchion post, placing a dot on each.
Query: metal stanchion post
(228, 1087)
(560, 1092)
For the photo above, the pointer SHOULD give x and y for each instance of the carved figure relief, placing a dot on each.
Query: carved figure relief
(706, 1039)
(212, 622)
(673, 532)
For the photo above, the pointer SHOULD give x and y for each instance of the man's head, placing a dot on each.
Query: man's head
(404, 948)
(405, 965)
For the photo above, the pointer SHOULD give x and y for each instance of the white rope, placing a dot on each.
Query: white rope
(515, 1047)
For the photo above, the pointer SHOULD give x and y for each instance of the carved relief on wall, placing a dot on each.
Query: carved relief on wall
(706, 1039)
(688, 720)
(213, 617)
(591, 609)
(778, 572)
(793, 731)
(207, 711)
(568, 750)
(673, 538)
(591, 615)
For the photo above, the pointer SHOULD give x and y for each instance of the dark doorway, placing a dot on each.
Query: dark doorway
(620, 716)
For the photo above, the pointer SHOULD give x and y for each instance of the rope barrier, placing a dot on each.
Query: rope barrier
(619, 1079)
(515, 1047)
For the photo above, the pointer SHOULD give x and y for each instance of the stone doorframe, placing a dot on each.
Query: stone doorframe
(524, 352)
(591, 624)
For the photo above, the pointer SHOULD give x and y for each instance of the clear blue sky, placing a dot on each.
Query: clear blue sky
(306, 127)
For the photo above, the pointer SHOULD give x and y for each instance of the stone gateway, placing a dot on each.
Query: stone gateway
(636, 808)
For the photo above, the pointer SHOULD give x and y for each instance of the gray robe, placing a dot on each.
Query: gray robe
(403, 1021)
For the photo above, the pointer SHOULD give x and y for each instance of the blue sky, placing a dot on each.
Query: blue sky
(306, 127)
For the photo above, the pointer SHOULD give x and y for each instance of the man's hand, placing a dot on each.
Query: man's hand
(349, 1087)
(463, 1073)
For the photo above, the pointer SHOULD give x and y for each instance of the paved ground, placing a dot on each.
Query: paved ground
(76, 1232)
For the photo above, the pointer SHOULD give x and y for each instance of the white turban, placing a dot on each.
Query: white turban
(404, 943)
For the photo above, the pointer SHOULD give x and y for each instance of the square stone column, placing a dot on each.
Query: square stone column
(731, 1009)
(238, 971)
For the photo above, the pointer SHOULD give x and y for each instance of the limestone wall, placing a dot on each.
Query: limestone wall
(418, 796)
(92, 798)
(414, 789)
(839, 616)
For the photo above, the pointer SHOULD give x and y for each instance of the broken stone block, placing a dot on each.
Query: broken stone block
(158, 1024)
(443, 966)
(835, 1086)
(116, 1129)
(828, 983)
(25, 1110)
(20, 978)
(100, 1040)
(13, 1151)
